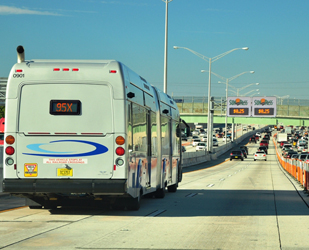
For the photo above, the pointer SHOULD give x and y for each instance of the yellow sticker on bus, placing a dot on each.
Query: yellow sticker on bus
(64, 172)
(31, 169)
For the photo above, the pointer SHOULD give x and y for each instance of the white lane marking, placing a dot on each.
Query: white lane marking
(156, 213)
(210, 185)
(191, 195)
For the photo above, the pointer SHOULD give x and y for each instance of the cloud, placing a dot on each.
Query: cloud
(7, 10)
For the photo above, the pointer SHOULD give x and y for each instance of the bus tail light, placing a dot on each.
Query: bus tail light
(10, 139)
(120, 151)
(9, 150)
(120, 140)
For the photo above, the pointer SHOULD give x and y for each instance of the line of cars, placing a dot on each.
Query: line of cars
(296, 146)
(260, 154)
(200, 143)
(262, 151)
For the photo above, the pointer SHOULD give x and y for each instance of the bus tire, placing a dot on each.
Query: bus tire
(160, 193)
(35, 207)
(172, 188)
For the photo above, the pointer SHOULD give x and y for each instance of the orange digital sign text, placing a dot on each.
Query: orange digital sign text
(239, 111)
(264, 111)
(65, 107)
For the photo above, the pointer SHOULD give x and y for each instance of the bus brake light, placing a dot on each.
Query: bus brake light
(9, 150)
(120, 151)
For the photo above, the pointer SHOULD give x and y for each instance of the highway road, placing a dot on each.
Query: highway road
(220, 204)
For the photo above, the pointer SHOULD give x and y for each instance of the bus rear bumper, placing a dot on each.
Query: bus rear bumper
(93, 186)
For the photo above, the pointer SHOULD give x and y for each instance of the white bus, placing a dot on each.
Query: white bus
(88, 131)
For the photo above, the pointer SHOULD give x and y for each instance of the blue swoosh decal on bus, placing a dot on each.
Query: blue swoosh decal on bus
(36, 147)
(99, 149)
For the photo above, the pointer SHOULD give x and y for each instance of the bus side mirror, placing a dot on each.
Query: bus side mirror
(130, 95)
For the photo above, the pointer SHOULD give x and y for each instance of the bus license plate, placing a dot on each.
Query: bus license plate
(64, 172)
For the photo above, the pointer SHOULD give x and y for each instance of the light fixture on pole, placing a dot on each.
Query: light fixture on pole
(209, 60)
(257, 90)
(165, 47)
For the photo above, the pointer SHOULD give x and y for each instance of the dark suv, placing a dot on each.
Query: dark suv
(263, 148)
(237, 154)
(245, 148)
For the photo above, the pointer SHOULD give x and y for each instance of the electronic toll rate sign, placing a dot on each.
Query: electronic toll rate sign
(239, 106)
(264, 106)
(252, 106)
(239, 111)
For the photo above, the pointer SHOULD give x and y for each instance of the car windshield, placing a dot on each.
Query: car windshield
(236, 152)
(260, 152)
(201, 144)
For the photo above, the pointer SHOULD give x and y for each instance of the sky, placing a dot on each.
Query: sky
(133, 32)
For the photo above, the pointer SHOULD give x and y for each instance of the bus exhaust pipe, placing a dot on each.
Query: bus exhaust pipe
(20, 54)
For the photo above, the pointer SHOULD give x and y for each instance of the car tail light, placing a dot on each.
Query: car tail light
(264, 155)
(9, 150)
(231, 154)
(255, 155)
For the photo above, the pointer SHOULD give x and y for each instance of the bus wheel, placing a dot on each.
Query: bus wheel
(35, 207)
(160, 193)
(172, 188)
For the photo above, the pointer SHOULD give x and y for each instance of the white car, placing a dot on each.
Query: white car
(201, 146)
(204, 138)
(195, 142)
(202, 134)
(228, 138)
(260, 155)
(302, 148)
(215, 142)
(301, 143)
(196, 132)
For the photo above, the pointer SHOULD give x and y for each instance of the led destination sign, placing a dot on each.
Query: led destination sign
(64, 107)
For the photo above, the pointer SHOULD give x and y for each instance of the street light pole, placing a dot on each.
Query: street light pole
(257, 90)
(226, 91)
(165, 46)
(209, 120)
(209, 60)
(238, 89)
